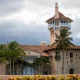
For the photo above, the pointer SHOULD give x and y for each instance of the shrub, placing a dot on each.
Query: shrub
(47, 77)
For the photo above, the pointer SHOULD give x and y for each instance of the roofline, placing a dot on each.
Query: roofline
(55, 48)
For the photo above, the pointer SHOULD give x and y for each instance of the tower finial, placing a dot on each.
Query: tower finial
(56, 5)
(56, 10)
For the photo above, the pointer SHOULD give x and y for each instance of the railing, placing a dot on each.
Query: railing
(51, 25)
(65, 25)
(62, 25)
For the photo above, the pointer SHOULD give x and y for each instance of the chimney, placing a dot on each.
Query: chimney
(43, 43)
(56, 11)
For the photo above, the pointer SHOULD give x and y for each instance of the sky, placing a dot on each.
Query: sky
(24, 20)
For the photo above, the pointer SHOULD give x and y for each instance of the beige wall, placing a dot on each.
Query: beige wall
(52, 34)
(32, 53)
(2, 69)
(57, 65)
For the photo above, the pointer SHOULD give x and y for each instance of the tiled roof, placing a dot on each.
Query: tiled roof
(43, 49)
(35, 48)
(61, 17)
(72, 47)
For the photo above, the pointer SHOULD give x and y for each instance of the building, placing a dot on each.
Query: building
(71, 58)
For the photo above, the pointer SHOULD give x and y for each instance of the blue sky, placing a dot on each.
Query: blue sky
(24, 20)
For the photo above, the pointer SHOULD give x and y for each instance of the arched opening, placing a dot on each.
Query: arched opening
(71, 71)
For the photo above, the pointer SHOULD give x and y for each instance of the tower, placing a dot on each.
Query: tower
(57, 22)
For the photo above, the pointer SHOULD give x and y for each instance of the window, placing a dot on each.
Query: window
(64, 21)
(71, 55)
(61, 21)
(71, 71)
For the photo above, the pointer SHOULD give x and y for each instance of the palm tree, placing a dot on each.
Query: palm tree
(13, 53)
(63, 42)
(39, 62)
(2, 54)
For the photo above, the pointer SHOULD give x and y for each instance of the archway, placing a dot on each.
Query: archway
(71, 71)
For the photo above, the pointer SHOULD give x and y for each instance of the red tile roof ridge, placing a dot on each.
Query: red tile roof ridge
(61, 16)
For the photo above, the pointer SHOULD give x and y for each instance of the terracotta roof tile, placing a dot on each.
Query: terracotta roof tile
(61, 17)
(43, 49)
(35, 48)
(72, 47)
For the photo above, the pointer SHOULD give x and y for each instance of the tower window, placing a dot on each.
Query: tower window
(71, 55)
(61, 21)
(64, 21)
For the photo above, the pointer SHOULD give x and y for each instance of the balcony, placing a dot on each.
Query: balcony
(60, 24)
(65, 24)
(51, 25)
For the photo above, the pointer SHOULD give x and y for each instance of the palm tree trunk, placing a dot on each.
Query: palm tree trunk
(63, 64)
(57, 67)
(19, 69)
(35, 70)
(39, 70)
(13, 67)
(10, 66)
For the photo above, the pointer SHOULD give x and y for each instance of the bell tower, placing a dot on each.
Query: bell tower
(57, 22)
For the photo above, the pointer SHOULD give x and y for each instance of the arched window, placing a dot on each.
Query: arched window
(64, 21)
(71, 55)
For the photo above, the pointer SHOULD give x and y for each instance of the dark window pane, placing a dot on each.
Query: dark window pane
(71, 55)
